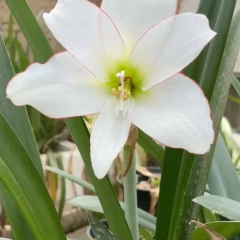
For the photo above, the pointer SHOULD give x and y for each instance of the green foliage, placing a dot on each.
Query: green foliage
(223, 179)
(71, 178)
(56, 162)
(22, 174)
(103, 187)
(223, 206)
(226, 229)
(187, 173)
(44, 129)
(19, 57)
(184, 175)
(42, 52)
(145, 234)
(92, 203)
(30, 29)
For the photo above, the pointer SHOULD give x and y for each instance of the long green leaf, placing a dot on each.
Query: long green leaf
(92, 203)
(18, 119)
(71, 178)
(42, 51)
(175, 215)
(209, 216)
(223, 179)
(168, 185)
(56, 163)
(141, 213)
(22, 13)
(216, 76)
(103, 187)
(223, 206)
(63, 189)
(16, 116)
(173, 157)
(145, 234)
(25, 185)
(19, 226)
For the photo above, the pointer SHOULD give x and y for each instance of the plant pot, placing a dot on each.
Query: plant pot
(90, 233)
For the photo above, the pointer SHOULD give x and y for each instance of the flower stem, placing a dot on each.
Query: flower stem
(130, 192)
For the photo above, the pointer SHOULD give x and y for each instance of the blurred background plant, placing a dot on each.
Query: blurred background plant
(48, 132)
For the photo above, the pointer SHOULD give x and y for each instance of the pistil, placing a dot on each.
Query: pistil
(122, 95)
(121, 75)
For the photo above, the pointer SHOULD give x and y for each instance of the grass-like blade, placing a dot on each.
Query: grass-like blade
(18, 119)
(216, 79)
(223, 179)
(25, 185)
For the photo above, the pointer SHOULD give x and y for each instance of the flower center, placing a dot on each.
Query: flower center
(122, 95)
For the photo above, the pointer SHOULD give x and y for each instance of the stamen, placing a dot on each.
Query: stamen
(122, 95)
(114, 91)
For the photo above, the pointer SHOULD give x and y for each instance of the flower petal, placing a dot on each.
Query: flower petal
(177, 114)
(133, 18)
(59, 88)
(109, 134)
(87, 33)
(170, 46)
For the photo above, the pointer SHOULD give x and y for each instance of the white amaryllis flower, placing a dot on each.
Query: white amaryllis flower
(123, 62)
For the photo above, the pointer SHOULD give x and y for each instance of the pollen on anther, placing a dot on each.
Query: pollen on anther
(127, 95)
(114, 91)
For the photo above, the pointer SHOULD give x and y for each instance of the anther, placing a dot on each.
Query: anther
(114, 91)
(122, 94)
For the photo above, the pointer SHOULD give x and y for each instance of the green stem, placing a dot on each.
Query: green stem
(130, 194)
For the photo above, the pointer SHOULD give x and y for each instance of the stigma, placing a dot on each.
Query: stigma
(122, 95)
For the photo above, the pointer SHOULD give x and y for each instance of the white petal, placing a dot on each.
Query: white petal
(134, 17)
(109, 135)
(170, 46)
(177, 114)
(87, 33)
(59, 88)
